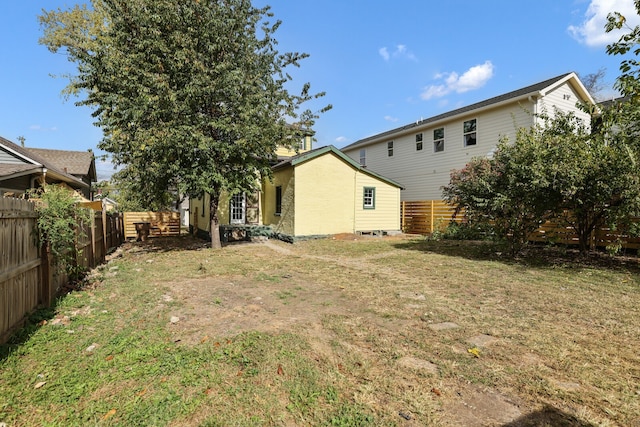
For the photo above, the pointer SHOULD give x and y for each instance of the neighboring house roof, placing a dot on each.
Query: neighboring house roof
(536, 90)
(30, 162)
(75, 162)
(310, 155)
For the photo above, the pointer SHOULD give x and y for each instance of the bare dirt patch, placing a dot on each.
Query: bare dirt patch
(291, 302)
(232, 305)
(426, 337)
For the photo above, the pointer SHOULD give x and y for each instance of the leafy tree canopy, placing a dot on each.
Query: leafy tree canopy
(190, 94)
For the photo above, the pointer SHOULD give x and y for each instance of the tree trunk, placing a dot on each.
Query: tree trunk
(214, 199)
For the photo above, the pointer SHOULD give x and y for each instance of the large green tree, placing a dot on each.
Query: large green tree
(190, 94)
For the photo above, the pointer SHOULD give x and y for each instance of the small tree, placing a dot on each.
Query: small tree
(59, 224)
(508, 193)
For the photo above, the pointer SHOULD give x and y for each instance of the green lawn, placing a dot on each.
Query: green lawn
(331, 332)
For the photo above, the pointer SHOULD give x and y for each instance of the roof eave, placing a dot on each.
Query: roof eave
(427, 123)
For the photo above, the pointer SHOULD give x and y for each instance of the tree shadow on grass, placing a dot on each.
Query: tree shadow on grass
(548, 416)
(537, 256)
(24, 331)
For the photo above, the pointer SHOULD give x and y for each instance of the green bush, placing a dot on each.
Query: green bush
(59, 225)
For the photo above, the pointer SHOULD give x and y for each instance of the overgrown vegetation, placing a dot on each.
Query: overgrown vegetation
(59, 224)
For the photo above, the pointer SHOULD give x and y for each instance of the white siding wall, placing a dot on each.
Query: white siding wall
(423, 173)
(563, 98)
(8, 158)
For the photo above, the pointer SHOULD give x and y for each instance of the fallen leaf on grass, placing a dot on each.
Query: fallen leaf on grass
(40, 384)
(42, 322)
(204, 340)
(109, 357)
(141, 392)
(475, 351)
(436, 391)
(109, 414)
(280, 370)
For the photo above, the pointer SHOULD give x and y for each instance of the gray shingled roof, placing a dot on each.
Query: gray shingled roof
(487, 102)
(75, 162)
(28, 155)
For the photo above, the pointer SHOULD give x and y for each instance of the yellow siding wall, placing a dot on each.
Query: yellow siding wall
(386, 215)
(199, 212)
(324, 197)
(287, 152)
(285, 222)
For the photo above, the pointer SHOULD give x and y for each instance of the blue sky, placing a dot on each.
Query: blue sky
(381, 64)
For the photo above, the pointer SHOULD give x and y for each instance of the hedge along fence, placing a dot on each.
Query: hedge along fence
(427, 216)
(28, 279)
(161, 223)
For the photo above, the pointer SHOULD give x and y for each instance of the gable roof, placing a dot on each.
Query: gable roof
(535, 90)
(315, 153)
(75, 162)
(32, 163)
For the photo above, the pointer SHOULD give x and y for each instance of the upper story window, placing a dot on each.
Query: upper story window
(418, 142)
(438, 140)
(305, 143)
(363, 157)
(469, 132)
(390, 148)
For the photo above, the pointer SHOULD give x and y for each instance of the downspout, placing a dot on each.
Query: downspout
(355, 199)
(534, 101)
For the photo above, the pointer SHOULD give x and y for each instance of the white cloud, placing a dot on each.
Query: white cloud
(43, 129)
(591, 32)
(341, 139)
(474, 78)
(391, 119)
(400, 51)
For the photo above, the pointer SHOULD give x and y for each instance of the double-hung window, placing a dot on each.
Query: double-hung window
(438, 140)
(390, 148)
(369, 198)
(418, 142)
(469, 132)
(363, 157)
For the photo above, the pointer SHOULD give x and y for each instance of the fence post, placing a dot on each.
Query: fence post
(432, 216)
(45, 276)
(402, 216)
(105, 244)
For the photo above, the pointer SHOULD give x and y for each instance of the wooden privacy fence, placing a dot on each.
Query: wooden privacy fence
(21, 289)
(427, 216)
(27, 277)
(161, 223)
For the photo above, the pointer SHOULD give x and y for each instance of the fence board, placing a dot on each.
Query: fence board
(162, 223)
(19, 262)
(427, 216)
